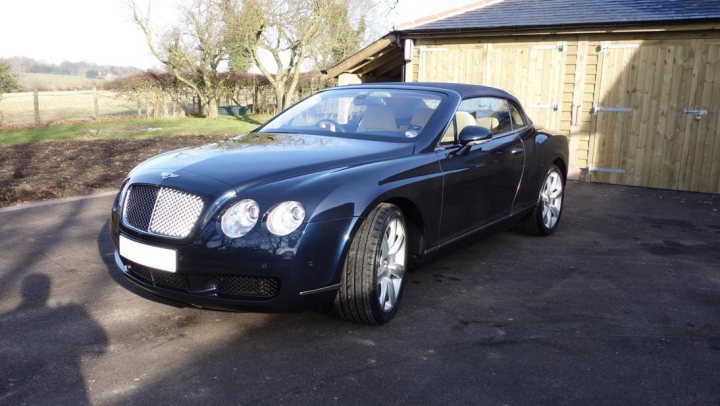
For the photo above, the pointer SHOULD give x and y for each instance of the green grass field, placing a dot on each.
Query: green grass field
(18, 109)
(133, 128)
(49, 81)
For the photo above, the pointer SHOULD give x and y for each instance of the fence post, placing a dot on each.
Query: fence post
(36, 105)
(97, 107)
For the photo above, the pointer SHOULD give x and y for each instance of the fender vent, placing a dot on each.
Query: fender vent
(247, 286)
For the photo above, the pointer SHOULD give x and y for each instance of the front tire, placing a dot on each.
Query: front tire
(545, 217)
(372, 276)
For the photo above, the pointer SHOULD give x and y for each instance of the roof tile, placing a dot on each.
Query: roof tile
(546, 13)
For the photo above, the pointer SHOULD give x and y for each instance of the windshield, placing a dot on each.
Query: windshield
(380, 113)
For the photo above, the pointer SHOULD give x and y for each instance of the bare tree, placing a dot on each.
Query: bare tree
(281, 29)
(344, 32)
(281, 37)
(192, 49)
(285, 37)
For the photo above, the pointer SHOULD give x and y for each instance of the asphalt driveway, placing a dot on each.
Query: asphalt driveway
(621, 306)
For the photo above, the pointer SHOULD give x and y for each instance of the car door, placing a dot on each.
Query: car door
(534, 170)
(480, 181)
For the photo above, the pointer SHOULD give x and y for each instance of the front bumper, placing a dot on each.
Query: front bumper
(258, 272)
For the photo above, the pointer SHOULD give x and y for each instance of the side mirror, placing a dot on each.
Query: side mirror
(474, 134)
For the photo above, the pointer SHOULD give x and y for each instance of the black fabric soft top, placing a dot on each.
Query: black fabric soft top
(464, 90)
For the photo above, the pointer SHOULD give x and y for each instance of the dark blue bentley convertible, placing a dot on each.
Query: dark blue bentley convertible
(332, 199)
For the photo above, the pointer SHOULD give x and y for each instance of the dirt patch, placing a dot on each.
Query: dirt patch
(49, 170)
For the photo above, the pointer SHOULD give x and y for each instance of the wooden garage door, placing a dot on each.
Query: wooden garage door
(532, 72)
(638, 127)
(452, 63)
(700, 166)
(642, 135)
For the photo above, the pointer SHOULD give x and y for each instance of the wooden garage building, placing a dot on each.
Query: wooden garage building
(635, 84)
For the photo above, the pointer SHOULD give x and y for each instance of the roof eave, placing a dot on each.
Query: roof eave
(645, 26)
(386, 41)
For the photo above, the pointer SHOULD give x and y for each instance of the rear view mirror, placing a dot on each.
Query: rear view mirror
(474, 134)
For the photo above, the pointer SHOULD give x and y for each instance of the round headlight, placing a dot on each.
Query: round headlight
(285, 218)
(240, 218)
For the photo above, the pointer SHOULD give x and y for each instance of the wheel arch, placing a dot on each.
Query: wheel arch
(560, 162)
(414, 223)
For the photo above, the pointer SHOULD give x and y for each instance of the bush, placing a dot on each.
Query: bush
(248, 88)
(158, 93)
(155, 90)
(8, 81)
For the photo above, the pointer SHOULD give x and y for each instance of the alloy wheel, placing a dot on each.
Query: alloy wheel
(392, 264)
(551, 197)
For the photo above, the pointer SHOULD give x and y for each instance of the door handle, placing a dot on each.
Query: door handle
(517, 151)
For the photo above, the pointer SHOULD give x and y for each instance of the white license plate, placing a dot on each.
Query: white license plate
(163, 259)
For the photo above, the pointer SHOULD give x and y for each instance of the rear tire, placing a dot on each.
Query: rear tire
(371, 283)
(544, 219)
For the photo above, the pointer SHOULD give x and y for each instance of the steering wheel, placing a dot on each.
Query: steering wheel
(332, 125)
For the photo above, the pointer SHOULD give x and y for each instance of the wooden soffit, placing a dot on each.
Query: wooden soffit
(367, 59)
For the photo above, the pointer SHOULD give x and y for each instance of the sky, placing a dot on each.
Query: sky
(101, 31)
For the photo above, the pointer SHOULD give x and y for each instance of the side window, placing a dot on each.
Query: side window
(489, 112)
(517, 119)
(450, 135)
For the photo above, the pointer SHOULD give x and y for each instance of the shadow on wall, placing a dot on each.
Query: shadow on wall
(35, 352)
(642, 131)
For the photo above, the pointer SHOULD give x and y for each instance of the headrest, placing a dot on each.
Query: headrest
(488, 122)
(464, 119)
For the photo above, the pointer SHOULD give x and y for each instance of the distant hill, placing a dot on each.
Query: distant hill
(34, 74)
(21, 64)
(53, 82)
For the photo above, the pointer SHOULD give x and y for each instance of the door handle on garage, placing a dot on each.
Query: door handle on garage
(517, 151)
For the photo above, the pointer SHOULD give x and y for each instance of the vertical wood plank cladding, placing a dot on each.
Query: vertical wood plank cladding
(700, 169)
(709, 181)
(654, 80)
(577, 96)
(451, 63)
(533, 72)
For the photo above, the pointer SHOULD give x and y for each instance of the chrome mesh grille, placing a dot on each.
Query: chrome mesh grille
(139, 206)
(162, 211)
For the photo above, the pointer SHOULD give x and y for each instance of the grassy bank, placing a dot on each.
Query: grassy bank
(17, 109)
(132, 128)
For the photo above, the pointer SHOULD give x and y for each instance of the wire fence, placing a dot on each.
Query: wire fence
(246, 94)
(27, 108)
